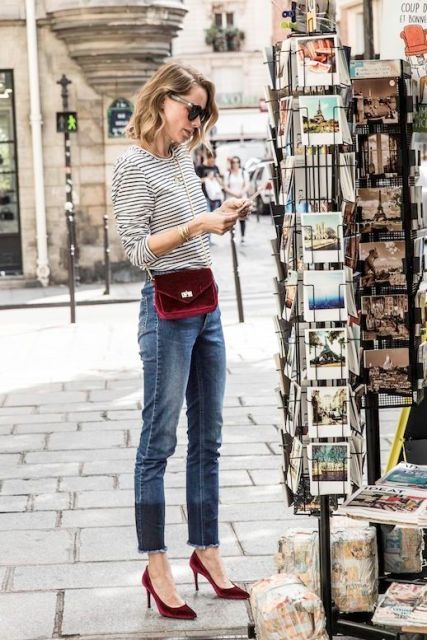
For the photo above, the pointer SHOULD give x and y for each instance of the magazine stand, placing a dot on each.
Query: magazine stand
(328, 184)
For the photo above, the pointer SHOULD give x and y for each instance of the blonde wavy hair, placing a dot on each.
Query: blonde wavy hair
(148, 119)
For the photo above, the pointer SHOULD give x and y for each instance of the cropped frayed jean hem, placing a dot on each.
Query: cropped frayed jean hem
(164, 550)
(203, 546)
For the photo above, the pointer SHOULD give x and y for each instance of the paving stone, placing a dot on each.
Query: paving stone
(110, 424)
(80, 455)
(119, 543)
(86, 416)
(31, 471)
(258, 537)
(52, 502)
(250, 462)
(9, 460)
(262, 510)
(39, 624)
(84, 385)
(86, 440)
(124, 415)
(28, 520)
(266, 476)
(46, 398)
(108, 395)
(86, 483)
(95, 499)
(25, 487)
(79, 406)
(110, 517)
(123, 610)
(13, 503)
(37, 547)
(6, 412)
(31, 418)
(254, 434)
(5, 429)
(48, 427)
(268, 493)
(108, 466)
(125, 384)
(21, 443)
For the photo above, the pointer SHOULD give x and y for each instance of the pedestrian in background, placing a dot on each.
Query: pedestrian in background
(162, 220)
(209, 170)
(236, 184)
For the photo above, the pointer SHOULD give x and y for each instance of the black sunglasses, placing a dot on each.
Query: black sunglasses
(194, 110)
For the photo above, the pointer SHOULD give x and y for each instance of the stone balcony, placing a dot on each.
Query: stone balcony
(117, 45)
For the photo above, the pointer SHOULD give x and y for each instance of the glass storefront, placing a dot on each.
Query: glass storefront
(10, 237)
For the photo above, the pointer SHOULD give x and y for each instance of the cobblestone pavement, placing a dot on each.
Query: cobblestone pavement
(70, 401)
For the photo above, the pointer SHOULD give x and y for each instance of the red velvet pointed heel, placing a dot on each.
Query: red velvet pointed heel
(231, 593)
(182, 613)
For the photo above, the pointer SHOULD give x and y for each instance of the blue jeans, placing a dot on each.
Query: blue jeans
(181, 358)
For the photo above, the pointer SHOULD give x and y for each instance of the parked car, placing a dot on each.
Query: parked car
(260, 180)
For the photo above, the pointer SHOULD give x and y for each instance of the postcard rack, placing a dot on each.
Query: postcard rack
(318, 249)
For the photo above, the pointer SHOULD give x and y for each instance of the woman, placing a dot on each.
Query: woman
(161, 217)
(236, 184)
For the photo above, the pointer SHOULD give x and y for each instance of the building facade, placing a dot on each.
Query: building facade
(107, 50)
(225, 41)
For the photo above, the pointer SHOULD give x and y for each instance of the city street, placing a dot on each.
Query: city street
(70, 402)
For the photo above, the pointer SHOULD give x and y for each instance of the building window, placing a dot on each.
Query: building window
(10, 240)
(230, 19)
(224, 20)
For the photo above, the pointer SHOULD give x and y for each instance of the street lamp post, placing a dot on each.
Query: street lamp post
(69, 204)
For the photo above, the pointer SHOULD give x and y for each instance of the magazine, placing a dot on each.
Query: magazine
(388, 505)
(407, 475)
(398, 603)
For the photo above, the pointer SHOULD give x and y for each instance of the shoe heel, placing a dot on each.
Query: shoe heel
(196, 580)
(148, 599)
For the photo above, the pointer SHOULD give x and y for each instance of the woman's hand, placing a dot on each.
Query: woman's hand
(218, 222)
(241, 206)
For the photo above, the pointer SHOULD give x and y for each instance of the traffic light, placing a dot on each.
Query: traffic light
(66, 121)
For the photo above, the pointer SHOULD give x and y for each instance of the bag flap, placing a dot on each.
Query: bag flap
(185, 286)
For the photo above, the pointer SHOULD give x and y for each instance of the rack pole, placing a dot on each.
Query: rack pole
(325, 562)
(373, 450)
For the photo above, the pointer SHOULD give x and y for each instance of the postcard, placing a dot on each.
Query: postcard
(380, 209)
(285, 119)
(388, 370)
(295, 465)
(321, 118)
(328, 412)
(385, 317)
(312, 182)
(383, 263)
(324, 296)
(288, 229)
(329, 468)
(322, 237)
(379, 155)
(291, 285)
(326, 354)
(351, 250)
(376, 100)
(316, 61)
(348, 211)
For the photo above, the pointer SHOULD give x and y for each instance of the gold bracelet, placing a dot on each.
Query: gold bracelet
(184, 232)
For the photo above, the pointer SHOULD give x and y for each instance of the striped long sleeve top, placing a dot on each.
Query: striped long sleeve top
(149, 196)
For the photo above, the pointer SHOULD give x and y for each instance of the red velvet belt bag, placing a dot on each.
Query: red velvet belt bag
(183, 294)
